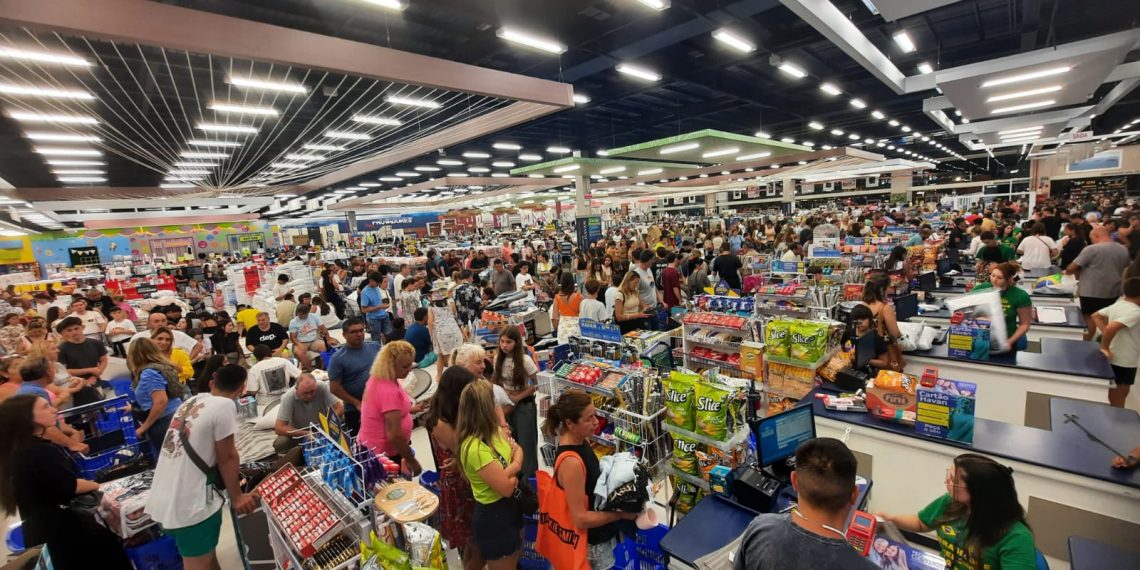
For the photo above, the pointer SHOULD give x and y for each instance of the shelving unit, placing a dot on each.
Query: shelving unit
(702, 339)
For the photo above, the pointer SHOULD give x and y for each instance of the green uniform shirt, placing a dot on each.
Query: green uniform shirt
(1015, 550)
(1012, 299)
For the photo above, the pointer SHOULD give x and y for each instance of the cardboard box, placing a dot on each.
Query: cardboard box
(898, 407)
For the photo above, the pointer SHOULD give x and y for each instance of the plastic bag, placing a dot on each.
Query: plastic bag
(678, 391)
(711, 410)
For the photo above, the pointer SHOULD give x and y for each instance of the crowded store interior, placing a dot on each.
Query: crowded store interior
(569, 284)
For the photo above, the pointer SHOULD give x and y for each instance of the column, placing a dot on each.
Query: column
(710, 204)
(582, 195)
(788, 193)
(901, 183)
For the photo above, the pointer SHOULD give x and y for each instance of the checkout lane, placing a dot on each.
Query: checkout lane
(1073, 327)
(1060, 466)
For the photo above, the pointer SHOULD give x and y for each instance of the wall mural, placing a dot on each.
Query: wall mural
(136, 242)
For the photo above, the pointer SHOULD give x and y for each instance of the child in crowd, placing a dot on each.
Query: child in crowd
(1119, 325)
(398, 329)
(120, 329)
(591, 307)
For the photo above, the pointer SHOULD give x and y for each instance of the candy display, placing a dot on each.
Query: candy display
(716, 320)
(336, 552)
(303, 517)
(725, 303)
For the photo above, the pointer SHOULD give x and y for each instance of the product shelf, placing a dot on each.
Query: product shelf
(729, 345)
(734, 440)
(699, 482)
(589, 389)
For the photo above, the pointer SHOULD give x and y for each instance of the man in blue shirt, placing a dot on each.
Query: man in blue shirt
(419, 336)
(349, 369)
(374, 304)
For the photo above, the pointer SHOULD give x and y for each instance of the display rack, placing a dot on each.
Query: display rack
(714, 340)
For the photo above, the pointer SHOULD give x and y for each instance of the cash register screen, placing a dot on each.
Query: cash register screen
(778, 436)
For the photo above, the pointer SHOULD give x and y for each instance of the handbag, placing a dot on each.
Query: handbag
(525, 497)
(87, 504)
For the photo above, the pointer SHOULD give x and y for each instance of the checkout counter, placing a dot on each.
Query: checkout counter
(1064, 479)
(1065, 368)
(1073, 328)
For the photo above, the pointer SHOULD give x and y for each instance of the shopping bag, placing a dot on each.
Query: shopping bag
(558, 540)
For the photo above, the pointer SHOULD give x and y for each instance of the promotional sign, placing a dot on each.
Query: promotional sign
(83, 256)
(824, 252)
(969, 342)
(594, 330)
(409, 221)
(946, 410)
(588, 230)
(853, 292)
(788, 267)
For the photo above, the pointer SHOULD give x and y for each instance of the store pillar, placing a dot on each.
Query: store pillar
(710, 204)
(788, 194)
(582, 195)
(901, 183)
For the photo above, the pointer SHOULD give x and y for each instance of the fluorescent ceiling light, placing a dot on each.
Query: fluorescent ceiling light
(829, 88)
(499, 175)
(1021, 130)
(762, 135)
(302, 156)
(407, 174)
(902, 39)
(79, 172)
(288, 165)
(530, 157)
(506, 146)
(650, 171)
(754, 156)
(203, 142)
(175, 186)
(558, 149)
(49, 151)
(853, 136)
(428, 168)
(476, 155)
(925, 68)
(792, 70)
(449, 162)
(503, 164)
(191, 154)
(478, 169)
(398, 100)
(1020, 138)
(214, 127)
(638, 72)
(266, 84)
(330, 147)
(581, 99)
(370, 184)
(567, 168)
(858, 103)
(905, 129)
(612, 170)
(46, 92)
(721, 152)
(816, 125)
(390, 179)
(878, 115)
(1022, 107)
(195, 164)
(374, 120)
(31, 117)
(520, 37)
(656, 4)
(188, 173)
(62, 137)
(389, 4)
(65, 162)
(788, 140)
(679, 148)
(82, 179)
(837, 132)
(1026, 76)
(42, 57)
(243, 109)
(734, 41)
(1020, 94)
(347, 135)
(457, 175)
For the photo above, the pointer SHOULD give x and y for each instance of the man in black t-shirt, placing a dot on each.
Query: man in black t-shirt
(727, 267)
(268, 333)
(83, 358)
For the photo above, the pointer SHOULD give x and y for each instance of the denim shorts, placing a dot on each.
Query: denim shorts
(497, 528)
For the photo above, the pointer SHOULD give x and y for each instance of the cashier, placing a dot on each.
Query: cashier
(863, 322)
(1015, 303)
(978, 518)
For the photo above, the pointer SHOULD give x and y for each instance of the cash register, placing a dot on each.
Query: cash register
(777, 437)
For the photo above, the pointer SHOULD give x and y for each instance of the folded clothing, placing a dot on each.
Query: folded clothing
(623, 484)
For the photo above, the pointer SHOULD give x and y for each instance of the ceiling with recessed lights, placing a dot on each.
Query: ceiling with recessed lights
(641, 70)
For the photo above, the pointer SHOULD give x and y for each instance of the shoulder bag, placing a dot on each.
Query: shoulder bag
(212, 473)
(526, 499)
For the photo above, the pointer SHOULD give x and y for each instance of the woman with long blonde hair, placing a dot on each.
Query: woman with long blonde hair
(629, 311)
(386, 409)
(154, 380)
(164, 338)
(492, 464)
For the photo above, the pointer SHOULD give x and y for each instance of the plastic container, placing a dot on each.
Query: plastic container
(644, 552)
(90, 467)
(158, 554)
(531, 559)
(122, 387)
(430, 481)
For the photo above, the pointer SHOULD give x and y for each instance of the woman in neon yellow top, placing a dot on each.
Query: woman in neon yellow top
(979, 522)
(492, 463)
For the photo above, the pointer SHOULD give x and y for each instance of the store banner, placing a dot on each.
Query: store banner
(588, 230)
(415, 220)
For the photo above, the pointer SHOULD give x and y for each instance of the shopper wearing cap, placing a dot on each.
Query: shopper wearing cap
(979, 522)
(811, 536)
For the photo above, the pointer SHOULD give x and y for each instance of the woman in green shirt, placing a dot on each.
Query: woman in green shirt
(979, 522)
(1016, 305)
(491, 463)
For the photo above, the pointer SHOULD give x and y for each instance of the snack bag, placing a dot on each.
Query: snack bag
(687, 495)
(808, 340)
(685, 455)
(776, 337)
(841, 360)
(896, 382)
(678, 391)
(711, 410)
(709, 457)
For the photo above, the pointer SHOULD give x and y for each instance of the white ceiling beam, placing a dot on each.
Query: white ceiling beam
(1124, 71)
(1047, 118)
(247, 203)
(835, 26)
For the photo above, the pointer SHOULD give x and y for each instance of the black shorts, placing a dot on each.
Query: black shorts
(1090, 305)
(497, 528)
(1124, 376)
